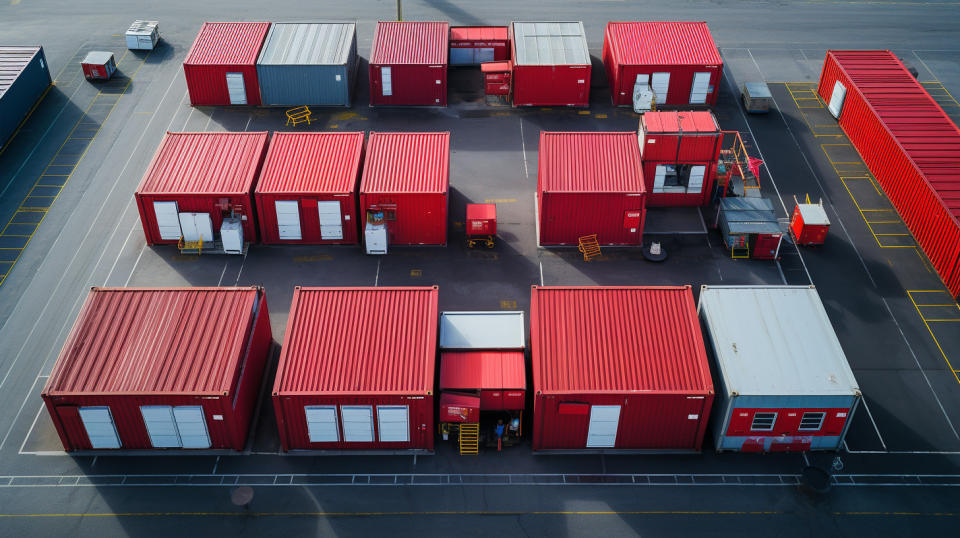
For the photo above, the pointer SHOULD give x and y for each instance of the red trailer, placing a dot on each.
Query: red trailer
(618, 368)
(198, 185)
(678, 60)
(221, 67)
(551, 64)
(408, 64)
(307, 192)
(907, 141)
(680, 151)
(406, 177)
(474, 45)
(590, 183)
(356, 370)
(152, 368)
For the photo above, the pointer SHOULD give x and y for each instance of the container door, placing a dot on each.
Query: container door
(168, 220)
(700, 88)
(661, 85)
(604, 423)
(695, 181)
(394, 423)
(642, 80)
(196, 227)
(192, 426)
(357, 423)
(161, 426)
(386, 81)
(322, 423)
(331, 222)
(100, 427)
(836, 99)
(236, 89)
(659, 178)
(288, 219)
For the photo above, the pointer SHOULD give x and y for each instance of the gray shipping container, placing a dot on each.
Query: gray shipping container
(24, 76)
(308, 64)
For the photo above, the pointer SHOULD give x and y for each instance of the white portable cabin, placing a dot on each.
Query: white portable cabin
(143, 35)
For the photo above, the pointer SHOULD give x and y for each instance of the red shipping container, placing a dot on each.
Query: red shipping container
(499, 376)
(679, 145)
(618, 368)
(148, 368)
(307, 192)
(909, 144)
(590, 183)
(408, 64)
(221, 67)
(809, 224)
(679, 60)
(472, 45)
(200, 174)
(481, 219)
(551, 64)
(407, 177)
(356, 370)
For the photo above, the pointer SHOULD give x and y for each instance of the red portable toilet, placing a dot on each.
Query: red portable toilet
(680, 151)
(408, 64)
(221, 67)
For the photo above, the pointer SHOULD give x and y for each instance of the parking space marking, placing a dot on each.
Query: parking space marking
(950, 315)
(812, 109)
(944, 98)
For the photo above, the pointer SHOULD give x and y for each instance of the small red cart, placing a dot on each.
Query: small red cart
(809, 224)
(99, 65)
(481, 224)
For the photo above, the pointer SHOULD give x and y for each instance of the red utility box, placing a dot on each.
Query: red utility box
(481, 223)
(161, 368)
(809, 224)
(307, 192)
(408, 64)
(590, 183)
(551, 64)
(497, 77)
(678, 60)
(680, 151)
(98, 65)
(474, 45)
(221, 67)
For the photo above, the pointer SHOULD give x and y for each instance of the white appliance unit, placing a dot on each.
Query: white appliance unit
(143, 35)
(643, 96)
(231, 235)
(375, 233)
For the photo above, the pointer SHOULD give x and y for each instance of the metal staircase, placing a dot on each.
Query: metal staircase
(739, 166)
(469, 439)
(589, 247)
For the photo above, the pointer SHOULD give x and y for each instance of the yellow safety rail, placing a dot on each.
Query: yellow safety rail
(735, 158)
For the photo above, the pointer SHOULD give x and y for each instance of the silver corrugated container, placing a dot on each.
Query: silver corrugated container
(308, 64)
(24, 76)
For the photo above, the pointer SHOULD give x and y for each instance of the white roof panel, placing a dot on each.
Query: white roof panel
(813, 214)
(140, 27)
(775, 341)
(550, 43)
(481, 330)
(326, 43)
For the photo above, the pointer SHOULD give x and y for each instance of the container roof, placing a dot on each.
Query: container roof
(749, 215)
(928, 136)
(482, 330)
(205, 163)
(359, 341)
(775, 341)
(674, 121)
(616, 340)
(813, 214)
(327, 43)
(97, 57)
(478, 33)
(156, 340)
(483, 370)
(13, 60)
(312, 163)
(410, 43)
(406, 163)
(227, 43)
(662, 43)
(141, 27)
(589, 162)
(550, 43)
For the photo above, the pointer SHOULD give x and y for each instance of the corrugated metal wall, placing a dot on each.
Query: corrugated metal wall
(24, 77)
(304, 64)
(187, 203)
(421, 218)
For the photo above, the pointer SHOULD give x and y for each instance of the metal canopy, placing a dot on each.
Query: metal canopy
(481, 330)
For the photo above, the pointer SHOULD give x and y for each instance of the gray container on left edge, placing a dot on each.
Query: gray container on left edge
(24, 76)
(308, 64)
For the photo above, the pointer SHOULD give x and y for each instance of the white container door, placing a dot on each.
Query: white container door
(836, 99)
(604, 422)
(394, 422)
(700, 88)
(161, 427)
(331, 222)
(386, 81)
(196, 227)
(357, 423)
(695, 183)
(236, 89)
(659, 178)
(168, 220)
(100, 428)
(661, 85)
(288, 219)
(322, 423)
(192, 426)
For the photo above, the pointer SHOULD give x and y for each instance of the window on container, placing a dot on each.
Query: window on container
(322, 423)
(763, 422)
(357, 423)
(672, 178)
(390, 214)
(811, 421)
(394, 423)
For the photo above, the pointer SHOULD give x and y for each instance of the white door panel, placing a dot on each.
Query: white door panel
(331, 221)
(288, 219)
(357, 423)
(394, 423)
(386, 81)
(659, 177)
(100, 427)
(836, 99)
(236, 89)
(604, 422)
(695, 183)
(196, 227)
(700, 88)
(168, 220)
(661, 85)
(160, 425)
(192, 426)
(322, 423)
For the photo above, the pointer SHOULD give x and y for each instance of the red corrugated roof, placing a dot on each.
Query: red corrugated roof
(410, 43)
(359, 341)
(485, 370)
(662, 43)
(205, 163)
(478, 33)
(616, 339)
(929, 137)
(228, 43)
(589, 162)
(406, 162)
(673, 121)
(312, 163)
(156, 340)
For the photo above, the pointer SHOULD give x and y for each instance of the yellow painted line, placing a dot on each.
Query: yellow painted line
(927, 325)
(600, 116)
(883, 221)
(941, 320)
(500, 200)
(933, 305)
(890, 234)
(14, 2)
(583, 112)
(416, 272)
(508, 304)
(314, 258)
(244, 513)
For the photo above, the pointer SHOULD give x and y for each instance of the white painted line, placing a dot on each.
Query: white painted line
(523, 144)
(215, 466)
(22, 405)
(240, 272)
(247, 126)
(30, 431)
(376, 279)
(225, 263)
(875, 428)
(184, 128)
(123, 246)
(780, 270)
(541, 272)
(925, 65)
(135, 264)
